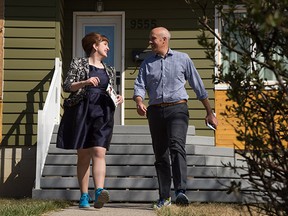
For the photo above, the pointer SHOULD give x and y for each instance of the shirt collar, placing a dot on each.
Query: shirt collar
(170, 52)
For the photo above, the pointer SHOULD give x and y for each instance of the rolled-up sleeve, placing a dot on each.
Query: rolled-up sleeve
(195, 80)
(140, 84)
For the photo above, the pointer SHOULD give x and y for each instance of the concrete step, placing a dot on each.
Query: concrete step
(211, 150)
(146, 149)
(142, 129)
(135, 129)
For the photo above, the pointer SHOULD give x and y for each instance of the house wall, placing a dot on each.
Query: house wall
(33, 38)
(225, 135)
(184, 28)
(31, 32)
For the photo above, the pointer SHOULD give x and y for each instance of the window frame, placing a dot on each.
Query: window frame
(218, 48)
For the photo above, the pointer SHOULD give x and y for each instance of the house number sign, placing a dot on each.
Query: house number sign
(143, 23)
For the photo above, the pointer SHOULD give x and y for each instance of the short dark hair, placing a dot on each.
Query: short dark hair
(90, 39)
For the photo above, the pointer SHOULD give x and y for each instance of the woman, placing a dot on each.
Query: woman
(88, 119)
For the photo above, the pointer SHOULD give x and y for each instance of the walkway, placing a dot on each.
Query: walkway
(110, 209)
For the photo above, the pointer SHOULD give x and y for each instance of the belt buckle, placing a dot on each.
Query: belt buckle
(166, 104)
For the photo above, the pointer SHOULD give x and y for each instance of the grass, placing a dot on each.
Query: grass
(205, 209)
(29, 207)
(32, 207)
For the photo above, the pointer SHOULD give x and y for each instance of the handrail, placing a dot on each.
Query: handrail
(47, 118)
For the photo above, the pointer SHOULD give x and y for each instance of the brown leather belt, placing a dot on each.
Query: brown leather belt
(170, 104)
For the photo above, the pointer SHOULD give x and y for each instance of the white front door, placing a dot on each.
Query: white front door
(110, 24)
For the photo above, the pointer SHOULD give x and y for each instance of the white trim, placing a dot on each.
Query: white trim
(94, 13)
(123, 69)
(216, 41)
(221, 86)
(270, 85)
(238, 8)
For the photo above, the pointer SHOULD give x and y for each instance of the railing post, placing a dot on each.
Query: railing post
(58, 63)
(47, 118)
(40, 139)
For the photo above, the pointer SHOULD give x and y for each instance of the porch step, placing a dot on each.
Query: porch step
(144, 149)
(124, 171)
(135, 129)
(135, 134)
(131, 175)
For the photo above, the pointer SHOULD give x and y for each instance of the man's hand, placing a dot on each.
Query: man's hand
(212, 120)
(141, 109)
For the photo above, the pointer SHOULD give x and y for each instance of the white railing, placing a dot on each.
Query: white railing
(47, 118)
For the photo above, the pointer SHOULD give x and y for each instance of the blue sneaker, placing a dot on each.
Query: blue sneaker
(181, 198)
(101, 197)
(84, 201)
(162, 203)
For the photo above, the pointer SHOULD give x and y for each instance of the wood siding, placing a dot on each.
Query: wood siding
(33, 38)
(178, 18)
(225, 135)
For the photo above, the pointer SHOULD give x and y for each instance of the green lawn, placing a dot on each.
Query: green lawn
(29, 207)
(205, 209)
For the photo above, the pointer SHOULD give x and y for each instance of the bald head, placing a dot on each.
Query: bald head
(162, 32)
(159, 40)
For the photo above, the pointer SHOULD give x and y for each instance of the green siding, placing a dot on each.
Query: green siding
(29, 43)
(30, 32)
(22, 75)
(28, 87)
(11, 118)
(33, 39)
(32, 64)
(16, 97)
(29, 24)
(31, 54)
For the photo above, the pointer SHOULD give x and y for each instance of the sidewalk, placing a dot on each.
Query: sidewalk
(110, 209)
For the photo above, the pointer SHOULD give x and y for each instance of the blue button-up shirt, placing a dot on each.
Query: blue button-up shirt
(164, 79)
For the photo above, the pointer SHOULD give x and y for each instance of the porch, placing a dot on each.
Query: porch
(131, 175)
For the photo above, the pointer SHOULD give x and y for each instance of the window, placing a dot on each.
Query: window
(241, 43)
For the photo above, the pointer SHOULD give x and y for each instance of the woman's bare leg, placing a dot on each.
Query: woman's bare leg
(98, 155)
(83, 169)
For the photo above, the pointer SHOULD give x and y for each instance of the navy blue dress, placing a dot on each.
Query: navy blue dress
(89, 123)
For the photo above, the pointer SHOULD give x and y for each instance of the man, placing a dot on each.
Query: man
(163, 76)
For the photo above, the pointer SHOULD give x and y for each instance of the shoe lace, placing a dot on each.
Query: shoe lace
(84, 197)
(180, 191)
(161, 202)
(98, 192)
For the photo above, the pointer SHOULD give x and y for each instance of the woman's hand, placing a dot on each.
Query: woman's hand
(120, 99)
(94, 81)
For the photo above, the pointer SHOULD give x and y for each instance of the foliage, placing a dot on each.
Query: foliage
(254, 49)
